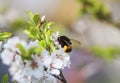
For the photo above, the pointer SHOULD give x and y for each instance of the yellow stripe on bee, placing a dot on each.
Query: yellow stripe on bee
(65, 48)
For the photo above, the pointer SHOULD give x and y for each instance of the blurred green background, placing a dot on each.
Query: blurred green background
(95, 23)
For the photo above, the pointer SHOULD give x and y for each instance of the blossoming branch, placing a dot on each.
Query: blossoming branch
(41, 59)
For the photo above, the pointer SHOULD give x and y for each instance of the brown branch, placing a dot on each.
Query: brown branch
(60, 77)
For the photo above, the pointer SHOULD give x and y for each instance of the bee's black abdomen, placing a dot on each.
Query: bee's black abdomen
(68, 50)
(65, 43)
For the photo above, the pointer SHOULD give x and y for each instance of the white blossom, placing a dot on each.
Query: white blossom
(33, 69)
(66, 60)
(46, 58)
(40, 68)
(54, 38)
(12, 43)
(49, 78)
(0, 44)
(57, 63)
(63, 58)
(55, 72)
(24, 80)
(32, 44)
(16, 68)
(7, 57)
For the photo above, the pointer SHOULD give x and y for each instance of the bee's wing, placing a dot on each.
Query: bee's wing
(75, 43)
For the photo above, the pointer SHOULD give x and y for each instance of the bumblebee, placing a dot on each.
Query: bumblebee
(65, 43)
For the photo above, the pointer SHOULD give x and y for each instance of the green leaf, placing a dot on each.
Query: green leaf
(36, 18)
(48, 33)
(47, 36)
(42, 43)
(34, 32)
(30, 15)
(41, 31)
(17, 24)
(52, 47)
(50, 24)
(4, 36)
(37, 29)
(32, 50)
(21, 48)
(26, 56)
(24, 53)
(30, 24)
(5, 78)
(96, 9)
(29, 34)
(108, 53)
(39, 50)
(15, 82)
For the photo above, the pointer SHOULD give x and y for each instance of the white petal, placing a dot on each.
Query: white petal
(57, 63)
(37, 59)
(66, 58)
(37, 72)
(24, 80)
(33, 44)
(55, 71)
(19, 61)
(47, 60)
(12, 43)
(13, 68)
(42, 18)
(7, 57)
(0, 43)
(45, 53)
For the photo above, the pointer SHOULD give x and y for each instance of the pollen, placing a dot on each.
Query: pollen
(65, 48)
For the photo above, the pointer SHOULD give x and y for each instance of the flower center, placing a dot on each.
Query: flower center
(58, 56)
(34, 65)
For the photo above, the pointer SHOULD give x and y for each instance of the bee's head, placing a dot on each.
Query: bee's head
(63, 40)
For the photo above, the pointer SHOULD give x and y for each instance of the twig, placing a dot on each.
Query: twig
(57, 77)
(61, 77)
